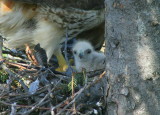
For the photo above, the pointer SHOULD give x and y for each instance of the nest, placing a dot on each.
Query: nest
(29, 89)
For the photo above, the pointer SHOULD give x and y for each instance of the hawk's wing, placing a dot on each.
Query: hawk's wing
(75, 20)
(75, 15)
(81, 4)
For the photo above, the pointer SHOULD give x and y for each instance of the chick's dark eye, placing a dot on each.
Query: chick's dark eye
(88, 51)
(74, 52)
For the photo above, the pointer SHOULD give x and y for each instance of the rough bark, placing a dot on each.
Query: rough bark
(133, 57)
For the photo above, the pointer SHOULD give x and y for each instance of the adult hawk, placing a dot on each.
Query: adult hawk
(46, 21)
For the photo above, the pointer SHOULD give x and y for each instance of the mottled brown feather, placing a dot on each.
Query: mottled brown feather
(81, 4)
(51, 19)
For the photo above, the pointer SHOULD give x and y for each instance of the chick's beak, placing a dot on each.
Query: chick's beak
(81, 55)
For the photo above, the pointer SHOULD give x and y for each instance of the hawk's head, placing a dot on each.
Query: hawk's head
(82, 51)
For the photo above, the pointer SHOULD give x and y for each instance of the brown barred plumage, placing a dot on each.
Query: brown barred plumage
(35, 21)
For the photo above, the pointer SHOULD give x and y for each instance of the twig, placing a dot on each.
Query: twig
(26, 95)
(14, 54)
(85, 76)
(24, 106)
(15, 77)
(102, 74)
(16, 65)
(94, 73)
(40, 102)
(73, 77)
(4, 112)
(97, 80)
(73, 101)
(76, 95)
(65, 48)
(13, 109)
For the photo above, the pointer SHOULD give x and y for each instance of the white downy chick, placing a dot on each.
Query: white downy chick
(86, 57)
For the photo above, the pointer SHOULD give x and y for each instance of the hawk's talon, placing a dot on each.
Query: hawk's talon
(61, 62)
(30, 55)
(62, 68)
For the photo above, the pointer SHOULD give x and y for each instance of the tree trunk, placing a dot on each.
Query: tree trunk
(133, 57)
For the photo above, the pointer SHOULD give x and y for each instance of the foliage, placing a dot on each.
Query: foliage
(3, 76)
